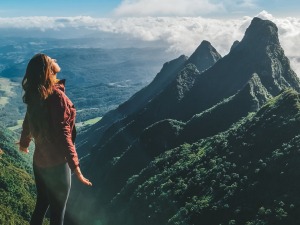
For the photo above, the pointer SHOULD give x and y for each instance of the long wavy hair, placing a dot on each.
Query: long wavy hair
(38, 84)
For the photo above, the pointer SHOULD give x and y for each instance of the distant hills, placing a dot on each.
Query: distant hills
(211, 140)
(98, 79)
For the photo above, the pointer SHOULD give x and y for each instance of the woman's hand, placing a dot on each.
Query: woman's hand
(81, 178)
(22, 149)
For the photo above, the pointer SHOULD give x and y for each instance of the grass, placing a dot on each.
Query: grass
(6, 90)
(88, 122)
(16, 127)
(6, 86)
(3, 101)
(79, 125)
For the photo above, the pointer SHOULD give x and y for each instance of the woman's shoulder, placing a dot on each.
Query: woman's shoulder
(56, 96)
(59, 96)
(56, 93)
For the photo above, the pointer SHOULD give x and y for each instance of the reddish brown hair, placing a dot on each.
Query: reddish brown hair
(38, 84)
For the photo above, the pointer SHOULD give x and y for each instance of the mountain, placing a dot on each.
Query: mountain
(17, 188)
(181, 129)
(204, 56)
(221, 81)
(173, 77)
(122, 133)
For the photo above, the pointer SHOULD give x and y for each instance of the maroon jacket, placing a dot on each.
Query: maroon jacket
(62, 122)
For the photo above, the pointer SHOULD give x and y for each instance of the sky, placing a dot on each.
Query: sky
(180, 25)
(112, 8)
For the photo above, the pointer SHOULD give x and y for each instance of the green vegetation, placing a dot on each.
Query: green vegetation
(16, 127)
(88, 122)
(17, 188)
(246, 175)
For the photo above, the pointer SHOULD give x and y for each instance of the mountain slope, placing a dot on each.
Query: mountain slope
(203, 58)
(160, 107)
(117, 138)
(17, 188)
(247, 175)
(167, 134)
(135, 103)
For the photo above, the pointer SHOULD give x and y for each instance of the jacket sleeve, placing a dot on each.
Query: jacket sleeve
(25, 134)
(62, 133)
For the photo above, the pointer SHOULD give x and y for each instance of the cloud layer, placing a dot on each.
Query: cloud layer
(167, 7)
(181, 35)
(183, 7)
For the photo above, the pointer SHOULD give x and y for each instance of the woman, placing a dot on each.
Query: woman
(50, 122)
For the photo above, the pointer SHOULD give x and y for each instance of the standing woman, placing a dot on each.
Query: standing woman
(50, 122)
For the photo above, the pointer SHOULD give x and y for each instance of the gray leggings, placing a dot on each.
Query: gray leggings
(53, 187)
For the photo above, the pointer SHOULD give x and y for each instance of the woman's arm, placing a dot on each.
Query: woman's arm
(25, 136)
(61, 130)
(80, 177)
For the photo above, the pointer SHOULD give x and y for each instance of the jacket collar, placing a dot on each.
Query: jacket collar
(61, 85)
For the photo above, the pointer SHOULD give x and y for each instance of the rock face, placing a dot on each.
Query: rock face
(272, 65)
(185, 106)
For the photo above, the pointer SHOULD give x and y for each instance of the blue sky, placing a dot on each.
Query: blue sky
(108, 8)
(96, 8)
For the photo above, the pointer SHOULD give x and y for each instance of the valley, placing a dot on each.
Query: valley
(97, 79)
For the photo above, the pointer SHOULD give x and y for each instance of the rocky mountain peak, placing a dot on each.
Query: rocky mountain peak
(265, 56)
(261, 32)
(204, 56)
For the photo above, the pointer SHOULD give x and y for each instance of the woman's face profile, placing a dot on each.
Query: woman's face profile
(54, 66)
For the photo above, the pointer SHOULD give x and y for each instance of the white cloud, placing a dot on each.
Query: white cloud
(182, 7)
(183, 34)
(167, 7)
(180, 34)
